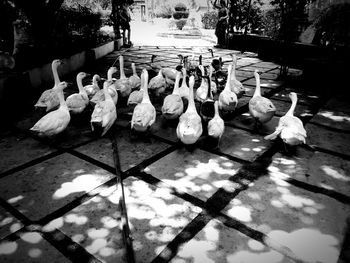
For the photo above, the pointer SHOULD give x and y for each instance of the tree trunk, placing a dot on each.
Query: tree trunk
(115, 19)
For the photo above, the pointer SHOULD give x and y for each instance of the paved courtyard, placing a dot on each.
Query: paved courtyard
(249, 200)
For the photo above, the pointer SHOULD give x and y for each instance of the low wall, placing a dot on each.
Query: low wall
(21, 86)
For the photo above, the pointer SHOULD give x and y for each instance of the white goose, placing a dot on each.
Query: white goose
(189, 128)
(93, 88)
(261, 108)
(77, 102)
(216, 125)
(290, 128)
(49, 98)
(134, 79)
(236, 85)
(136, 96)
(105, 113)
(99, 96)
(173, 105)
(55, 121)
(123, 84)
(157, 84)
(227, 98)
(144, 114)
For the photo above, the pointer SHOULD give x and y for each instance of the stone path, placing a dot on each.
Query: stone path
(249, 200)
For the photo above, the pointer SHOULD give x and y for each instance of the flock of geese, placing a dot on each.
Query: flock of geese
(179, 105)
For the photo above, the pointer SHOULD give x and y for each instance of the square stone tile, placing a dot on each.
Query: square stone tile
(18, 149)
(310, 225)
(243, 144)
(330, 140)
(96, 226)
(246, 121)
(268, 76)
(132, 149)
(338, 104)
(165, 129)
(316, 168)
(283, 106)
(219, 243)
(269, 65)
(303, 97)
(43, 188)
(249, 90)
(264, 83)
(77, 132)
(334, 119)
(155, 217)
(244, 100)
(30, 247)
(198, 173)
(243, 73)
(8, 223)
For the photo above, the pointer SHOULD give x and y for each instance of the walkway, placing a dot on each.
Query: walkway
(247, 201)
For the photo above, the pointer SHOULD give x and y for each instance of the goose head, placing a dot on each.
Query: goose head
(56, 63)
(96, 78)
(61, 86)
(81, 75)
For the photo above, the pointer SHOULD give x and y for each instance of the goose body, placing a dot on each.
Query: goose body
(227, 98)
(216, 125)
(157, 83)
(105, 113)
(189, 128)
(144, 114)
(49, 99)
(77, 102)
(93, 88)
(261, 108)
(55, 121)
(290, 128)
(136, 96)
(236, 85)
(100, 95)
(134, 79)
(173, 105)
(122, 85)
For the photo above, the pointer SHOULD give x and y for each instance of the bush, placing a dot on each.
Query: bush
(77, 29)
(333, 25)
(180, 14)
(180, 7)
(180, 23)
(163, 11)
(210, 19)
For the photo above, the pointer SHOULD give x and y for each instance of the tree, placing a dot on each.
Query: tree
(41, 15)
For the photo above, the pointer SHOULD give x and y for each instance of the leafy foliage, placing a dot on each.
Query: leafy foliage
(333, 25)
(180, 7)
(180, 23)
(210, 19)
(163, 11)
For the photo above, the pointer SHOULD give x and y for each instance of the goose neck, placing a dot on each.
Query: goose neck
(55, 74)
(121, 67)
(228, 81)
(94, 80)
(257, 91)
(80, 83)
(191, 104)
(176, 85)
(110, 74)
(291, 110)
(60, 96)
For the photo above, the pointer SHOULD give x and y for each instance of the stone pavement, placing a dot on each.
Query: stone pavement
(249, 200)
